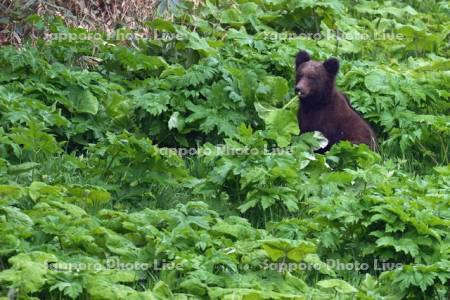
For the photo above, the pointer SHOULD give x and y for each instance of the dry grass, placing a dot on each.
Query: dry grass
(104, 15)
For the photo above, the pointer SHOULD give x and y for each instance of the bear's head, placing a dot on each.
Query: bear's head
(314, 80)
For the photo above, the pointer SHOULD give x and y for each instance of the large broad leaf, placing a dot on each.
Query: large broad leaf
(162, 290)
(22, 168)
(232, 16)
(154, 103)
(376, 81)
(39, 189)
(274, 89)
(281, 124)
(82, 101)
(315, 140)
(294, 250)
(135, 60)
(28, 271)
(161, 24)
(405, 245)
(17, 216)
(196, 42)
(194, 286)
(337, 284)
(70, 289)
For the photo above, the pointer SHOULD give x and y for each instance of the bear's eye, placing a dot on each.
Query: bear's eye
(311, 77)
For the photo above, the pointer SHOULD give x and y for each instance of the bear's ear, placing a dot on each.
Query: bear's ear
(331, 65)
(301, 57)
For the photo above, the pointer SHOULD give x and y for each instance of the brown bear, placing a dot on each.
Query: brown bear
(323, 108)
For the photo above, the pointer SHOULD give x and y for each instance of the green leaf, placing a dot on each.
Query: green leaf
(376, 81)
(299, 252)
(247, 205)
(83, 101)
(161, 24)
(162, 290)
(267, 201)
(17, 217)
(278, 88)
(194, 286)
(29, 271)
(403, 244)
(281, 124)
(71, 289)
(294, 250)
(98, 196)
(337, 284)
(22, 168)
(296, 283)
(154, 103)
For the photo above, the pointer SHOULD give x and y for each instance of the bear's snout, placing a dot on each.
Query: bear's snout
(301, 90)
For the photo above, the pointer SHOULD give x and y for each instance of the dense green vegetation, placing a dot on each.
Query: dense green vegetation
(102, 197)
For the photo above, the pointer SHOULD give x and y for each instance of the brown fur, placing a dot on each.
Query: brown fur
(323, 108)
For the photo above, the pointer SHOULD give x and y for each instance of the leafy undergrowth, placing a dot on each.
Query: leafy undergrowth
(172, 167)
